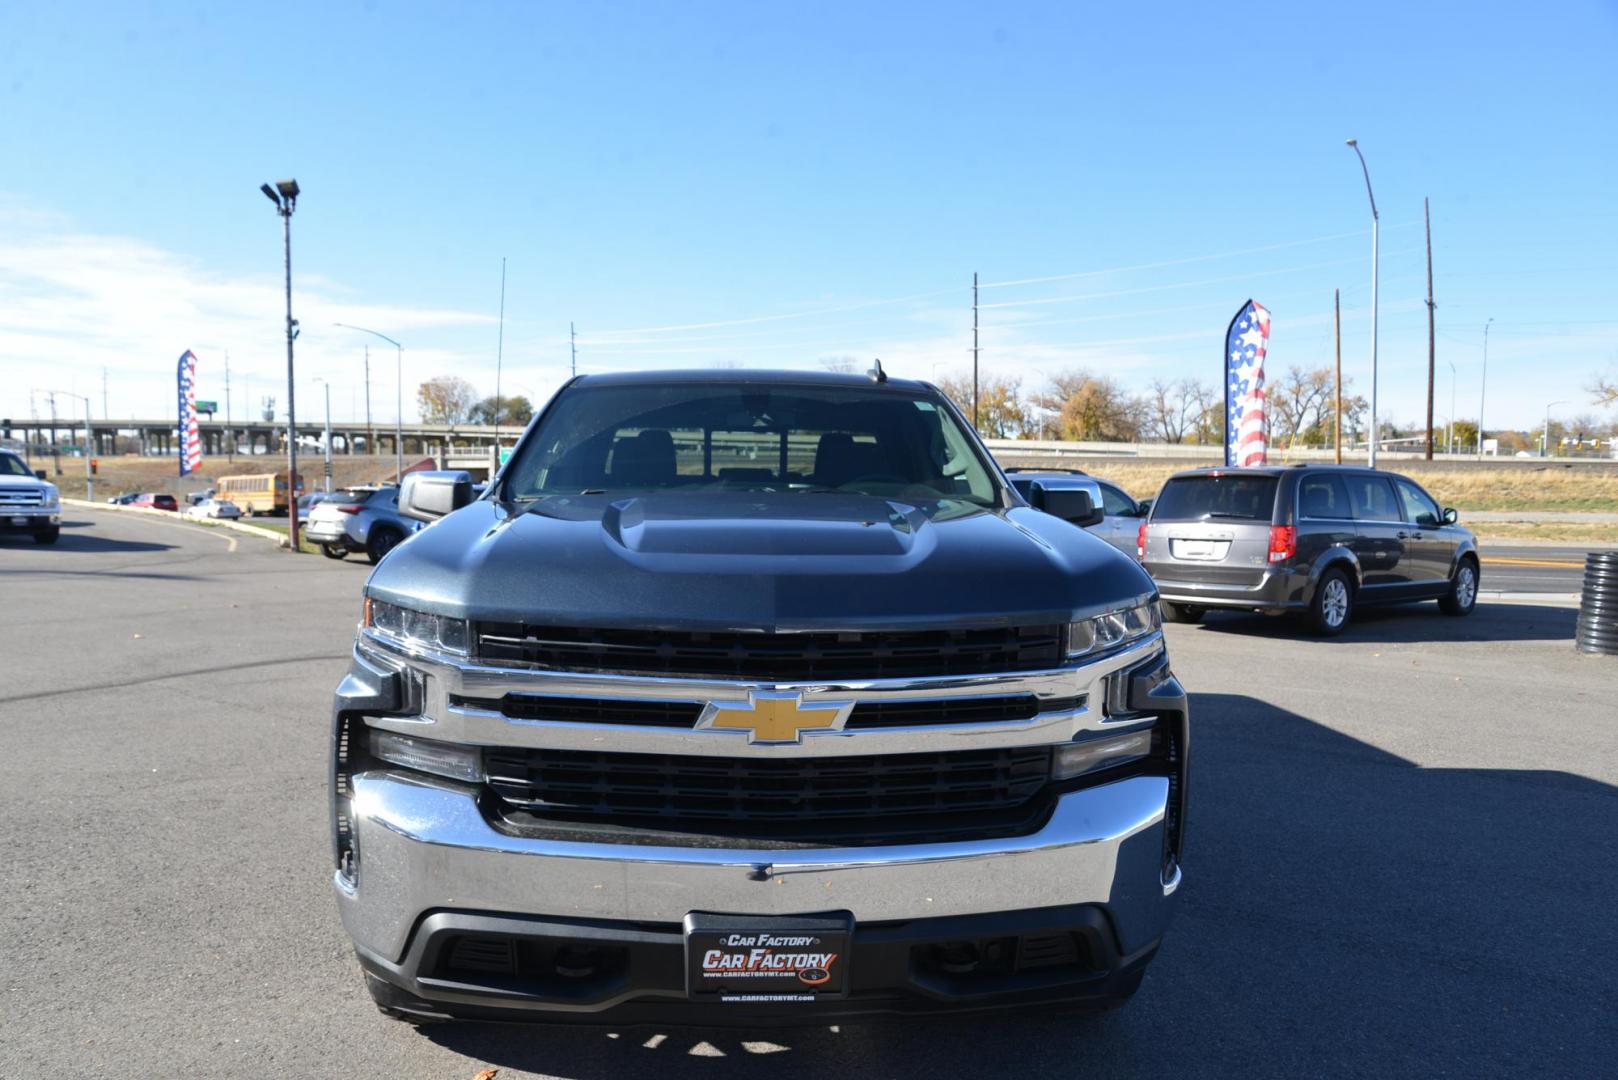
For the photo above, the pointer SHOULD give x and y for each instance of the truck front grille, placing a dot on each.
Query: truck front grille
(21, 496)
(867, 715)
(777, 657)
(839, 798)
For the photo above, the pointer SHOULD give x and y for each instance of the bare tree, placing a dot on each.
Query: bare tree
(1299, 403)
(1172, 409)
(1208, 410)
(1604, 391)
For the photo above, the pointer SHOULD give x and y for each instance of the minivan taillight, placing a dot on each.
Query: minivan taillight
(1283, 543)
(1140, 541)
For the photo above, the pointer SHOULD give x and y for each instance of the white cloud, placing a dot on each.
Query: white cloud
(73, 304)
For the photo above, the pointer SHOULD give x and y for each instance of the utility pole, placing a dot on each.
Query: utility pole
(56, 455)
(1376, 434)
(1426, 212)
(573, 347)
(230, 431)
(104, 411)
(499, 354)
(1483, 385)
(1337, 348)
(370, 433)
(974, 350)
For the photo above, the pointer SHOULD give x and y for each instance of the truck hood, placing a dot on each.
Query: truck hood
(750, 562)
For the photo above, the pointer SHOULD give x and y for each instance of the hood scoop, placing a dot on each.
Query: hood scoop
(823, 525)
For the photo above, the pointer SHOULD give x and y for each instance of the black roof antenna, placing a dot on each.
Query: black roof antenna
(876, 373)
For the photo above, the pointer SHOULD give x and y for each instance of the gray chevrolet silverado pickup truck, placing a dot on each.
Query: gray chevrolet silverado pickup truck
(754, 698)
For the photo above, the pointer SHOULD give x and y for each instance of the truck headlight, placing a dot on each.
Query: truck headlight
(53, 497)
(426, 755)
(417, 628)
(1090, 755)
(1114, 628)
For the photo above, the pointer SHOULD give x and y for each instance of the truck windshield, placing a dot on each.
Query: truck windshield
(1198, 498)
(12, 465)
(757, 437)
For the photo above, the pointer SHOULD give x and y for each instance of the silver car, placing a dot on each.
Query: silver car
(1122, 515)
(359, 519)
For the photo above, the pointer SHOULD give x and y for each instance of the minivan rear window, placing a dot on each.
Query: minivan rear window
(1200, 498)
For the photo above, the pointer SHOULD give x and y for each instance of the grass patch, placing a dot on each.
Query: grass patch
(1598, 536)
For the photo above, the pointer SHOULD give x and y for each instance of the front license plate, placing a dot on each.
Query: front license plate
(19, 521)
(760, 960)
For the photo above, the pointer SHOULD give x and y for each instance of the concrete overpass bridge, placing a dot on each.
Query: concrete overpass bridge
(161, 437)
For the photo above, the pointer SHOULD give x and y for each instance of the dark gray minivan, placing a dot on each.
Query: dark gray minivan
(1314, 539)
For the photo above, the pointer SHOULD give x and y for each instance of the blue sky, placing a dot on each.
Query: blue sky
(790, 184)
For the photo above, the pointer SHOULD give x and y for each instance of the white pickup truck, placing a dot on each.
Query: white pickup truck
(28, 502)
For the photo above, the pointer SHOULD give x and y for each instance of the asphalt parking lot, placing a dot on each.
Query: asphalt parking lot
(1399, 850)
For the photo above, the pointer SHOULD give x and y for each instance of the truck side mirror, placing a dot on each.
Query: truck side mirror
(39, 474)
(428, 496)
(1145, 506)
(1070, 504)
(1450, 516)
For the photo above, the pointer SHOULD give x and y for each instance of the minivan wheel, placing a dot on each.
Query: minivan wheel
(382, 541)
(1182, 613)
(1463, 590)
(1332, 605)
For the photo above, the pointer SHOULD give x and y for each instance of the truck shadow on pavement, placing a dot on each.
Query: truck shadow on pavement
(1345, 911)
(1411, 624)
(85, 544)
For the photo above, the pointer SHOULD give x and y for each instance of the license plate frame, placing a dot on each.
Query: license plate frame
(1200, 550)
(20, 521)
(767, 959)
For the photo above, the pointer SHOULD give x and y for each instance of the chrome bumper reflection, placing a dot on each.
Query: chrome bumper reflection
(424, 847)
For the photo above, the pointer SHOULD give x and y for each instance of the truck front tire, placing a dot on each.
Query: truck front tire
(47, 536)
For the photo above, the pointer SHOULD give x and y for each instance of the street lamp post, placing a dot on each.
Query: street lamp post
(285, 197)
(398, 421)
(89, 438)
(1375, 222)
(1483, 386)
(1451, 440)
(327, 440)
(1545, 442)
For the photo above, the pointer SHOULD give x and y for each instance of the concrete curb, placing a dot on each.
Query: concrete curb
(1553, 599)
(280, 539)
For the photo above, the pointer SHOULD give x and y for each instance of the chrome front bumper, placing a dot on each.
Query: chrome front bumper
(424, 848)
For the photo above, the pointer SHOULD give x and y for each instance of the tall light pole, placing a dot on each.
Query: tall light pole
(1483, 386)
(285, 197)
(1375, 222)
(89, 439)
(1545, 443)
(327, 440)
(398, 421)
(1451, 407)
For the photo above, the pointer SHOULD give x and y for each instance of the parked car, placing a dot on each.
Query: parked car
(125, 499)
(753, 697)
(1319, 540)
(359, 519)
(1121, 513)
(220, 509)
(307, 503)
(152, 501)
(192, 498)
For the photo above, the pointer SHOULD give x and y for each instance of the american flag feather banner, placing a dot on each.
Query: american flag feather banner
(190, 439)
(1246, 419)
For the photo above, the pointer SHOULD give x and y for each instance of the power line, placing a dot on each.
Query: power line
(1182, 262)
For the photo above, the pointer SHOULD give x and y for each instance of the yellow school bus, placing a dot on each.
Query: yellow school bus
(259, 493)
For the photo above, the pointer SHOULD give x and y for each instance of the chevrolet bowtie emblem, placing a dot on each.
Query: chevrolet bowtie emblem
(775, 716)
